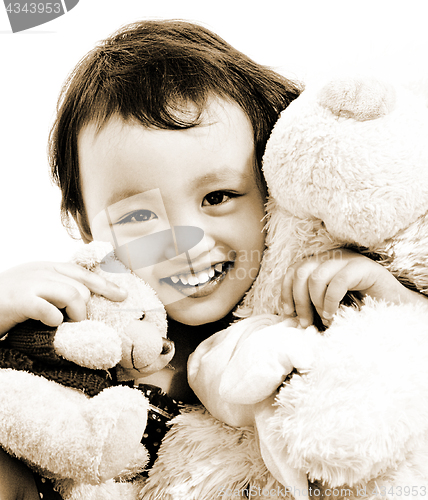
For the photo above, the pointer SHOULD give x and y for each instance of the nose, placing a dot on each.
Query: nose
(155, 248)
(188, 242)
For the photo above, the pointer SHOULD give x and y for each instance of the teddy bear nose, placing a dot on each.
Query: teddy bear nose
(167, 346)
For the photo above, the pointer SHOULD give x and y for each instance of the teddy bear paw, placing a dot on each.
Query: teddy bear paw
(118, 417)
(89, 343)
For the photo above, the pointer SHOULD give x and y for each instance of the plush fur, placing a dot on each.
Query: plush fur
(346, 165)
(83, 442)
(362, 410)
(202, 458)
(338, 177)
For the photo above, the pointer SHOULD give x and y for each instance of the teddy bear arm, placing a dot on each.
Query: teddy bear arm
(363, 406)
(262, 361)
(89, 343)
(60, 430)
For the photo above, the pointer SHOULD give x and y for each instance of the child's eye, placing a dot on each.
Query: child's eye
(138, 216)
(218, 197)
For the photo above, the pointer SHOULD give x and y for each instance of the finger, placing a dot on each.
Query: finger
(41, 310)
(302, 299)
(65, 296)
(347, 278)
(83, 290)
(94, 282)
(318, 284)
(287, 292)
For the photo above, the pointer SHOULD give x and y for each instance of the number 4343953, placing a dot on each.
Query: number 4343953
(34, 8)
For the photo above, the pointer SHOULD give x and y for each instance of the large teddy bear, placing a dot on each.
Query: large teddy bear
(299, 412)
(62, 410)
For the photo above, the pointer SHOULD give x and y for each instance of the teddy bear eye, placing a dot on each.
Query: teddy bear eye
(142, 316)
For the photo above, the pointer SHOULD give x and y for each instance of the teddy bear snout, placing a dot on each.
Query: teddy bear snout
(358, 98)
(144, 348)
(167, 346)
(146, 366)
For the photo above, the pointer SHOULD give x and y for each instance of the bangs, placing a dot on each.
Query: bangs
(154, 95)
(153, 82)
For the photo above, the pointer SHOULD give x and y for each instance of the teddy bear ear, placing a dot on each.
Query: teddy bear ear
(358, 98)
(92, 254)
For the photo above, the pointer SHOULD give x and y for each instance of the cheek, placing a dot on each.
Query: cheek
(257, 248)
(147, 274)
(252, 232)
(250, 243)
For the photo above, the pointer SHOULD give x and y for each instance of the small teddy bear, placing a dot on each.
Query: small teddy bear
(61, 408)
(344, 412)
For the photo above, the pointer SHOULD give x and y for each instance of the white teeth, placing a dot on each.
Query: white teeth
(193, 280)
(200, 278)
(203, 277)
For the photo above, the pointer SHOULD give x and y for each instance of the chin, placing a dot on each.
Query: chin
(197, 314)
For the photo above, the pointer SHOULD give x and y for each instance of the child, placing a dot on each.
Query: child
(163, 126)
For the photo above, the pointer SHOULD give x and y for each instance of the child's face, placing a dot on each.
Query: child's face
(139, 182)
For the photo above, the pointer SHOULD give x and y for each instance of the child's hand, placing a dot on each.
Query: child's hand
(39, 291)
(322, 282)
(16, 480)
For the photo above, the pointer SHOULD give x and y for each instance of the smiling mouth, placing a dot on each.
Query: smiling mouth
(201, 283)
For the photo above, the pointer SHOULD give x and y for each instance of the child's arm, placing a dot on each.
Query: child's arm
(16, 480)
(40, 290)
(323, 280)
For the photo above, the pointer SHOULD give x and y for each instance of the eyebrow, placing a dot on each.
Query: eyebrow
(121, 195)
(225, 175)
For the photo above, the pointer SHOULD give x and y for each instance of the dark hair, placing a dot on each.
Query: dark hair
(146, 72)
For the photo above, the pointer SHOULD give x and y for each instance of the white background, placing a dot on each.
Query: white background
(300, 38)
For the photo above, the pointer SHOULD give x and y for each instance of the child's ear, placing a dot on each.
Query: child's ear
(84, 229)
